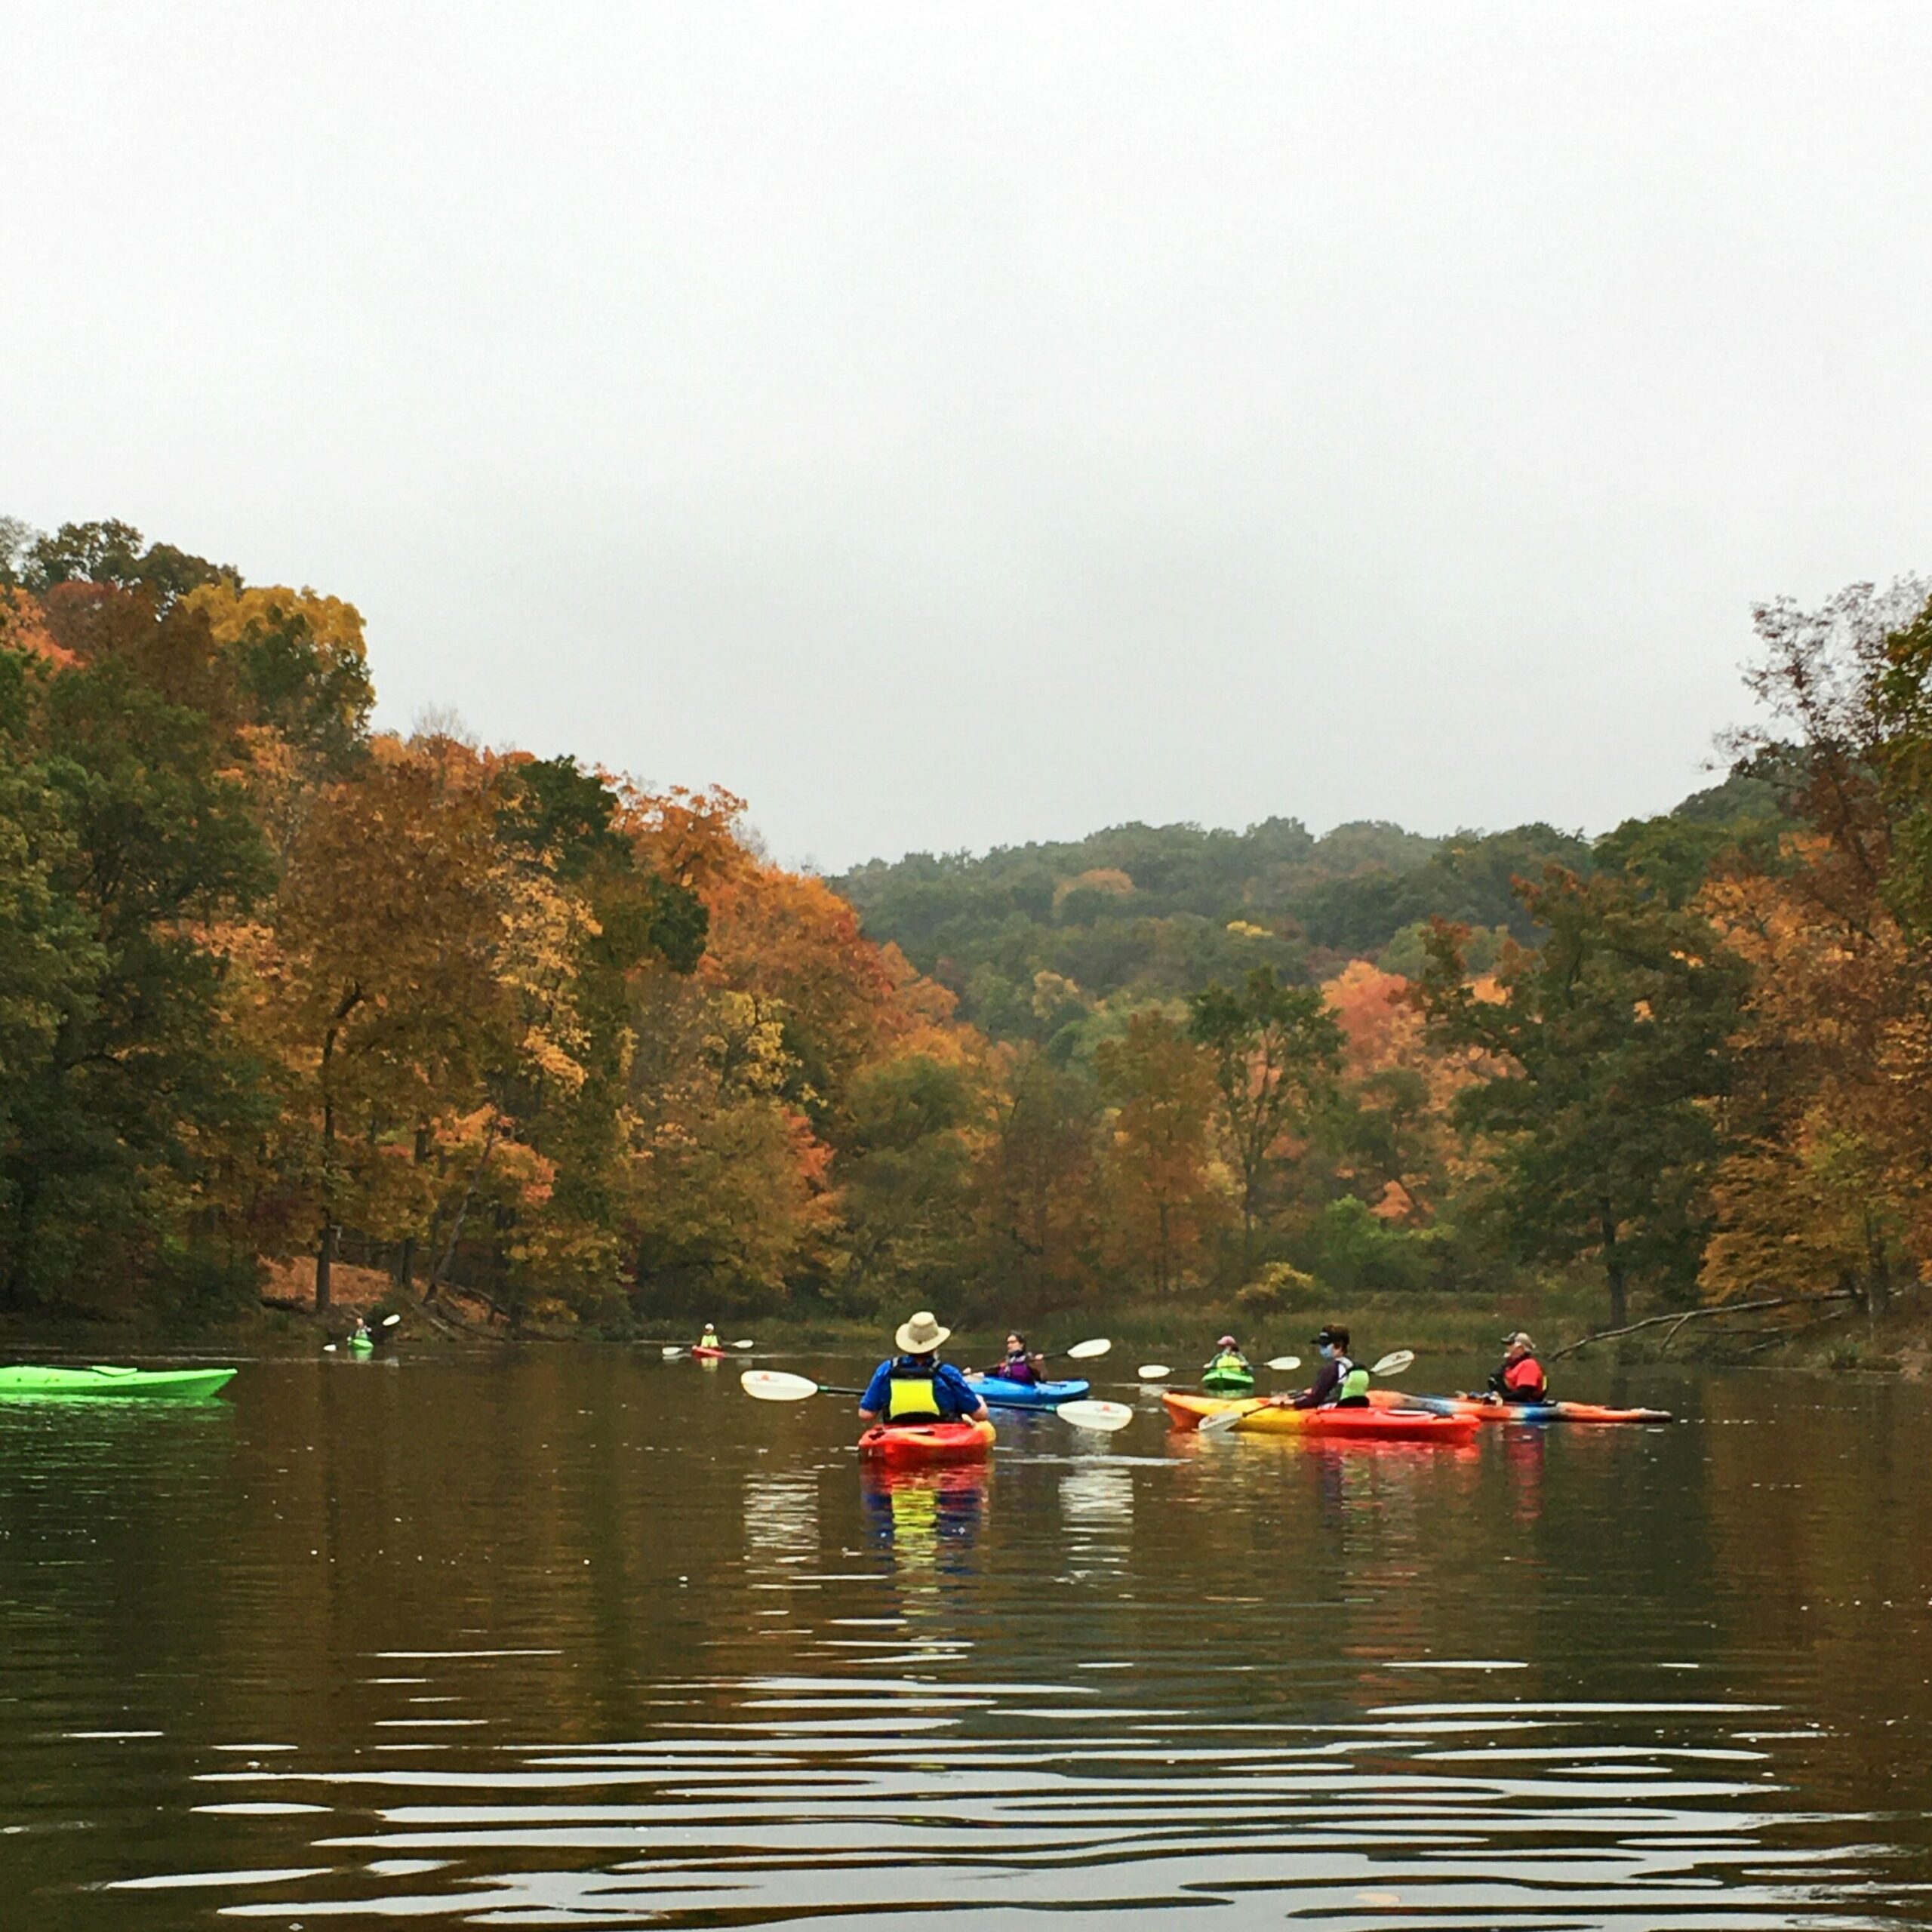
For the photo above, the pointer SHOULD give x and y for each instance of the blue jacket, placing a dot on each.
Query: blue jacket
(957, 1399)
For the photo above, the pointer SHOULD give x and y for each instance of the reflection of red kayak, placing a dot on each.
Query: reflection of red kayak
(702, 1354)
(928, 1442)
(1478, 1410)
(1372, 1424)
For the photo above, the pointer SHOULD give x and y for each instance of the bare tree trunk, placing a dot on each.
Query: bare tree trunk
(324, 1263)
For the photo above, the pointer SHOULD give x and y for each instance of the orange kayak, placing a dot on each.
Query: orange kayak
(1370, 1424)
(1478, 1410)
(927, 1441)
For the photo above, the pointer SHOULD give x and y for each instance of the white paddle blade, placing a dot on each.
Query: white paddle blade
(1282, 1363)
(772, 1384)
(328, 1348)
(744, 1345)
(1153, 1371)
(1088, 1351)
(390, 1320)
(1223, 1420)
(1107, 1416)
(672, 1353)
(1394, 1364)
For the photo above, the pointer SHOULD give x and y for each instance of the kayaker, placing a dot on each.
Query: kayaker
(1020, 1365)
(1338, 1383)
(914, 1385)
(1521, 1378)
(1228, 1359)
(709, 1340)
(360, 1333)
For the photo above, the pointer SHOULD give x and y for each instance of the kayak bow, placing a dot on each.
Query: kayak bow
(34, 1380)
(1477, 1410)
(998, 1393)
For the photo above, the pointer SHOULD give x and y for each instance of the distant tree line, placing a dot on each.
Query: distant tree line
(275, 986)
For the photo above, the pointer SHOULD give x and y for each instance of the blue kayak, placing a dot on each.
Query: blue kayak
(997, 1393)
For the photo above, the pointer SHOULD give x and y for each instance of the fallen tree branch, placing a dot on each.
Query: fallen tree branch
(1676, 1321)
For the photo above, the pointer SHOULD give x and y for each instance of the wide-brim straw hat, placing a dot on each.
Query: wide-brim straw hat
(922, 1335)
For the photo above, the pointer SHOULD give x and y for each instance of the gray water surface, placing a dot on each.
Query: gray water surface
(584, 1639)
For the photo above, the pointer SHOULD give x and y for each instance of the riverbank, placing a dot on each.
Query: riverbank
(286, 1322)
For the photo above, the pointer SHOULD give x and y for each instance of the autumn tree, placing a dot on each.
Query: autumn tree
(1274, 1049)
(1037, 1178)
(1827, 1186)
(1163, 1199)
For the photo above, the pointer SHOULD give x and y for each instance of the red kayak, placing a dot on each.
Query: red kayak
(1370, 1424)
(703, 1354)
(1477, 1410)
(927, 1441)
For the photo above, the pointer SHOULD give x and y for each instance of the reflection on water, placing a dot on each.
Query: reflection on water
(593, 1642)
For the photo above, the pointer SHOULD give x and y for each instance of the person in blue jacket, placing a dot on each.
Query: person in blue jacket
(914, 1385)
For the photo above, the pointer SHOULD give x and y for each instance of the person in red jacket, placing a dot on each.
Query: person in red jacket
(1521, 1378)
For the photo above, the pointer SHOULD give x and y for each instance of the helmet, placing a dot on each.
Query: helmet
(1225, 1341)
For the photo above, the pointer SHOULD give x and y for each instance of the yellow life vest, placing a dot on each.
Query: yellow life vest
(912, 1398)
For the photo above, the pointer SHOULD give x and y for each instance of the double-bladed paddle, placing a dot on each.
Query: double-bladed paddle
(772, 1384)
(1392, 1364)
(1159, 1371)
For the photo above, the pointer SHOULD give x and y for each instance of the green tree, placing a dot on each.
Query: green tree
(1610, 1064)
(138, 844)
(1275, 1051)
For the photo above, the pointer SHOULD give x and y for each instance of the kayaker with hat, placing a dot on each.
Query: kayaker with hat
(1338, 1383)
(1521, 1378)
(1227, 1359)
(914, 1385)
(709, 1340)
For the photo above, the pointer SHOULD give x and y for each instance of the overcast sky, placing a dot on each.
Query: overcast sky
(955, 426)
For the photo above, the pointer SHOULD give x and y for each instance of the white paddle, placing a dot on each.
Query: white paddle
(774, 1385)
(1229, 1418)
(1153, 1371)
(1105, 1415)
(1281, 1365)
(744, 1345)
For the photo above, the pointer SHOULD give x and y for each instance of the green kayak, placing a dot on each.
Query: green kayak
(1227, 1381)
(35, 1380)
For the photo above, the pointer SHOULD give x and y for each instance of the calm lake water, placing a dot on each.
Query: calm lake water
(583, 1639)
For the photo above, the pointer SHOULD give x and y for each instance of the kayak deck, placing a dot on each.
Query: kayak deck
(181, 1383)
(1227, 1383)
(997, 1392)
(1370, 1424)
(1477, 1410)
(927, 1441)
